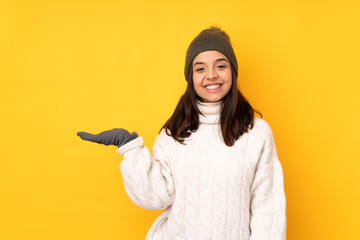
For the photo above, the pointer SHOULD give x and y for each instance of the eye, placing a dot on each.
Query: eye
(221, 66)
(199, 70)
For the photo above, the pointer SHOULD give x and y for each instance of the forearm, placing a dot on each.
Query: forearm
(268, 204)
(146, 181)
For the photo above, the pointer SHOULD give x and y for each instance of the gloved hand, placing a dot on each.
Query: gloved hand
(116, 136)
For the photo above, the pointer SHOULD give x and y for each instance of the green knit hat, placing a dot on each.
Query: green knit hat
(212, 38)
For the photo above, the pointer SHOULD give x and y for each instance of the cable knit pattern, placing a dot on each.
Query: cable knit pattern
(209, 191)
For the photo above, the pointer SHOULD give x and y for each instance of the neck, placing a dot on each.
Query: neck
(210, 112)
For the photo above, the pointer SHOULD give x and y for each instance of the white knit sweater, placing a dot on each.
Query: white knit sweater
(209, 190)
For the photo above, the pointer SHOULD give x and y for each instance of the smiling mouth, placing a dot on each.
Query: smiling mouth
(213, 86)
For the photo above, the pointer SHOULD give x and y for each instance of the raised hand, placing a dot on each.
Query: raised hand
(116, 137)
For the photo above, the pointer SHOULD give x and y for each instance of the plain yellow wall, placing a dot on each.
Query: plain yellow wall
(68, 66)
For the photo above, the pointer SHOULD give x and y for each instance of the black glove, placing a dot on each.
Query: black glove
(116, 136)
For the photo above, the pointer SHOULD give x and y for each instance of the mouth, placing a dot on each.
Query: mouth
(213, 87)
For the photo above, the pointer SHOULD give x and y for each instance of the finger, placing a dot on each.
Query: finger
(87, 136)
(104, 138)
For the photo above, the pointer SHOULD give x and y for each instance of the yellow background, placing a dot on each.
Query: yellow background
(68, 66)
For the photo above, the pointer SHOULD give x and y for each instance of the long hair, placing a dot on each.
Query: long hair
(237, 115)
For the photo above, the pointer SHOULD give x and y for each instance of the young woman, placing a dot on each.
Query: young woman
(214, 166)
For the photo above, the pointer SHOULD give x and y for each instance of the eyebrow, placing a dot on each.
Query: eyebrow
(217, 60)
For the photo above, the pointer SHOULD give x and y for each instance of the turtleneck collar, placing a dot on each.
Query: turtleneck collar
(211, 112)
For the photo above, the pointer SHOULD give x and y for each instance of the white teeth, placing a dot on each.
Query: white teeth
(213, 86)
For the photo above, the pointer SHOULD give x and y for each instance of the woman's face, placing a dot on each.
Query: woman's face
(211, 76)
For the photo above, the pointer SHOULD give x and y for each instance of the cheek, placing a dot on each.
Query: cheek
(228, 81)
(197, 84)
(197, 80)
(227, 77)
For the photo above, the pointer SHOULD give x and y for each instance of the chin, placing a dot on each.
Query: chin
(211, 99)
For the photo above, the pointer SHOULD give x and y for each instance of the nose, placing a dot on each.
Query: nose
(212, 74)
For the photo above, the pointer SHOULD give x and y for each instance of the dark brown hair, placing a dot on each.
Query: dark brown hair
(237, 115)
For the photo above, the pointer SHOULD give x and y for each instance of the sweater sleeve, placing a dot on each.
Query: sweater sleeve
(268, 203)
(147, 177)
